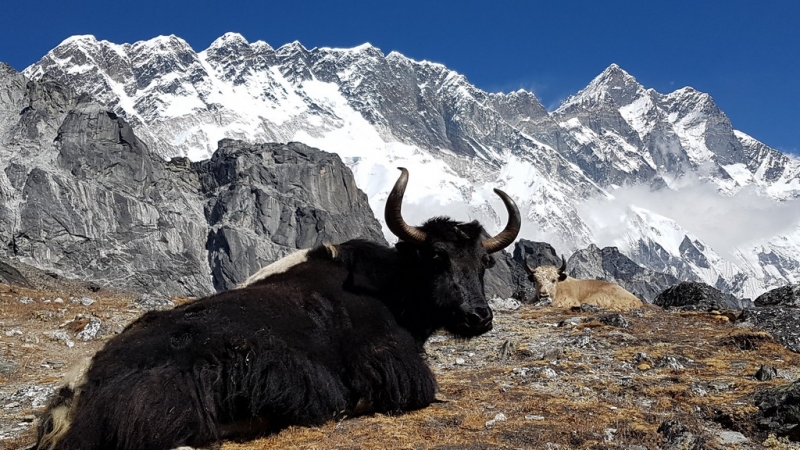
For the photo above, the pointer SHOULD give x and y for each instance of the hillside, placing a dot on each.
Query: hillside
(543, 378)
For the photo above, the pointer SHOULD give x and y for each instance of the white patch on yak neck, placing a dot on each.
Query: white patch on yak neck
(284, 264)
(279, 266)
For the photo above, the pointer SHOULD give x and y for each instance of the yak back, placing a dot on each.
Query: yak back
(573, 292)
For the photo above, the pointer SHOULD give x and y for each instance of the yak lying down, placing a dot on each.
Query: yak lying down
(552, 283)
(339, 332)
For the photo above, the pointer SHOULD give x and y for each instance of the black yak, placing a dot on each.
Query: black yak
(340, 332)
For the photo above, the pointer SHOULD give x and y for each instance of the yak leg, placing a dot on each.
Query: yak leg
(388, 375)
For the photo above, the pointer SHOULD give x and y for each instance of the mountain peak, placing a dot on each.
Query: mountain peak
(619, 84)
(613, 85)
(78, 38)
(229, 39)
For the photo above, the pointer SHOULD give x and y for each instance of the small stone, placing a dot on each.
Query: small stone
(546, 373)
(508, 304)
(732, 438)
(766, 373)
(86, 301)
(90, 331)
(26, 300)
(58, 300)
(62, 336)
(13, 332)
(11, 405)
(28, 418)
(669, 362)
(499, 417)
(643, 366)
(614, 320)
(460, 361)
(571, 322)
(609, 434)
(534, 417)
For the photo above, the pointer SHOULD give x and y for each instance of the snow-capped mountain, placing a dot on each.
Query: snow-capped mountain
(381, 111)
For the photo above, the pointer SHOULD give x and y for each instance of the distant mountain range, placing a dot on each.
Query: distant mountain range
(571, 170)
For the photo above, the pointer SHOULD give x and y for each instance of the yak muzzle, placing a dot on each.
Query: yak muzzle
(476, 321)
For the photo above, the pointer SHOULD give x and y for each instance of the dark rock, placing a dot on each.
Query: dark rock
(507, 279)
(786, 296)
(614, 320)
(766, 373)
(267, 200)
(585, 307)
(695, 296)
(677, 436)
(535, 254)
(782, 323)
(779, 409)
(10, 275)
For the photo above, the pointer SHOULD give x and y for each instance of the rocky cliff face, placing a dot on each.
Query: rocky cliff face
(82, 195)
(265, 200)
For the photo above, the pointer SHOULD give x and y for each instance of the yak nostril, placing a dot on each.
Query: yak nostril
(483, 313)
(479, 316)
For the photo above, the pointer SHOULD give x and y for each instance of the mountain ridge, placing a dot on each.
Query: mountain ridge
(378, 111)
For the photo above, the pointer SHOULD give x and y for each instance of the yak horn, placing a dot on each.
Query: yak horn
(563, 265)
(507, 236)
(394, 217)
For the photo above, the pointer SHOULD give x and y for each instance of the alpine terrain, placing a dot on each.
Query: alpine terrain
(607, 167)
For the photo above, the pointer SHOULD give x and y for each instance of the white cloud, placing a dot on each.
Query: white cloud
(723, 222)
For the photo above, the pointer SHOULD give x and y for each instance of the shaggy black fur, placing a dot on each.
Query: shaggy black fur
(329, 337)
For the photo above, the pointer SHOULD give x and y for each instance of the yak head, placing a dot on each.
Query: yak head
(449, 261)
(546, 278)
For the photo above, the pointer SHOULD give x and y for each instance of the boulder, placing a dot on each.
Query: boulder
(786, 296)
(696, 296)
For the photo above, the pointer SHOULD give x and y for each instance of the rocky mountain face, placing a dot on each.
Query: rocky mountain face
(378, 111)
(83, 196)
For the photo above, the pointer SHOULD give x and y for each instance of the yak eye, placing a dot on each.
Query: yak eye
(439, 256)
(488, 261)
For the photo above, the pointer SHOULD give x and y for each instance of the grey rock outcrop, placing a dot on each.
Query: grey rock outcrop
(778, 410)
(82, 196)
(267, 200)
(611, 265)
(507, 279)
(786, 296)
(782, 323)
(536, 254)
(694, 296)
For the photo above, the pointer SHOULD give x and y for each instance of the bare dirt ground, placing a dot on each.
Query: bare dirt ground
(543, 378)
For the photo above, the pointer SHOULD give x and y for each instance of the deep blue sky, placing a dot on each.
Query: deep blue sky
(745, 54)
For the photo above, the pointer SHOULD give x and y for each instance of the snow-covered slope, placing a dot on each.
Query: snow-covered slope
(383, 111)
